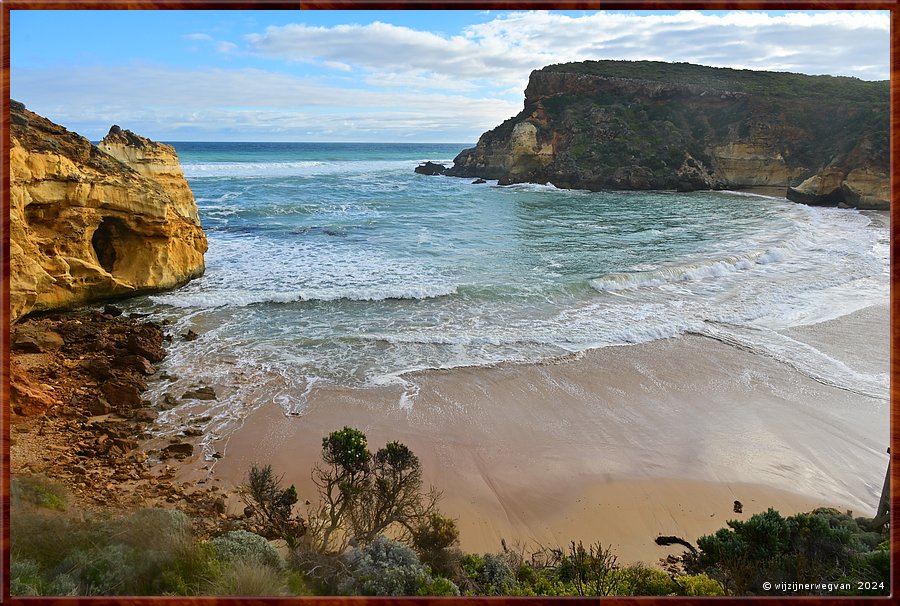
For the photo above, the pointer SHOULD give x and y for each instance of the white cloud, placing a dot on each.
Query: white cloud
(504, 49)
(226, 47)
(89, 99)
(198, 37)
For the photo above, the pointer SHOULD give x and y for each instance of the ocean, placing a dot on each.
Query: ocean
(336, 264)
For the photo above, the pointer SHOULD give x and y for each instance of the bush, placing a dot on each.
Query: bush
(192, 571)
(153, 529)
(37, 490)
(640, 580)
(383, 567)
(26, 579)
(243, 546)
(46, 538)
(103, 570)
(249, 578)
(804, 548)
(699, 585)
(438, 586)
(590, 571)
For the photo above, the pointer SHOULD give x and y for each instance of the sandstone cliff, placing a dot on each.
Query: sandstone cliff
(87, 225)
(650, 125)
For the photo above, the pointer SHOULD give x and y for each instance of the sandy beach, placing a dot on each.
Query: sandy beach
(617, 445)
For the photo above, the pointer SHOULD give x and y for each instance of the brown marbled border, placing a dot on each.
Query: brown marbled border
(8, 5)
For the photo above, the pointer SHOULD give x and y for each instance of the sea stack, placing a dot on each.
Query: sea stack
(88, 224)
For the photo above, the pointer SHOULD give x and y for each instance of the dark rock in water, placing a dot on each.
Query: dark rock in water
(832, 198)
(201, 393)
(190, 335)
(179, 450)
(684, 186)
(504, 181)
(112, 310)
(145, 414)
(146, 344)
(431, 168)
(137, 363)
(169, 402)
(478, 181)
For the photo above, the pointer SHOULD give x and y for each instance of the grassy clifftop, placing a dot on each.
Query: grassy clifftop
(771, 84)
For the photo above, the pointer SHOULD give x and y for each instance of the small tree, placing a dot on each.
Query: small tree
(395, 496)
(363, 496)
(273, 506)
(341, 482)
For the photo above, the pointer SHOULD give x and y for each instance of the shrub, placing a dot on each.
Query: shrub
(194, 569)
(159, 534)
(640, 580)
(496, 576)
(438, 586)
(46, 538)
(243, 546)
(103, 570)
(383, 567)
(248, 578)
(699, 585)
(591, 571)
(38, 490)
(804, 548)
(26, 579)
(361, 496)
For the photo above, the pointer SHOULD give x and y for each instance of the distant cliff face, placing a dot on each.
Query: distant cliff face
(649, 125)
(87, 225)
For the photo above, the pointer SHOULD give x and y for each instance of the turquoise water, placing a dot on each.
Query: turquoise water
(336, 263)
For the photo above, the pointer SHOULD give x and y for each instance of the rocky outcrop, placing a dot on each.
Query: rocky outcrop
(865, 187)
(88, 225)
(649, 125)
(157, 161)
(430, 168)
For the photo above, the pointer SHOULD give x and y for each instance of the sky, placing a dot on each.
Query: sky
(386, 76)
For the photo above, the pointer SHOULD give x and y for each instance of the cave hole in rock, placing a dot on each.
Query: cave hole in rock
(106, 240)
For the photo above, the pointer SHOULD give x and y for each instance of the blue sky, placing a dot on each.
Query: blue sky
(436, 76)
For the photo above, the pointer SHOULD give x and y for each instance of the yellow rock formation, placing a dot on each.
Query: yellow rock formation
(86, 226)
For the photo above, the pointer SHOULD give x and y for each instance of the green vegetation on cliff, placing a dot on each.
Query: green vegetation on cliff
(768, 84)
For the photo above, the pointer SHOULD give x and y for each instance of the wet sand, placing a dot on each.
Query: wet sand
(617, 445)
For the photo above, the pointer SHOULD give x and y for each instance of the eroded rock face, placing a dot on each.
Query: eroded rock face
(649, 125)
(86, 225)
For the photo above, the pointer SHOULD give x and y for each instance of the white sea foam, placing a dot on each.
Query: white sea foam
(700, 270)
(289, 169)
